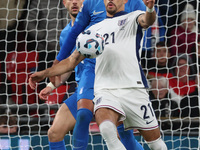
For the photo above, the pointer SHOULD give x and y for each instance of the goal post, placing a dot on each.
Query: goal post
(29, 42)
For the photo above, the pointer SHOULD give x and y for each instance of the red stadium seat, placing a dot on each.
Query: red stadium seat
(19, 66)
(58, 94)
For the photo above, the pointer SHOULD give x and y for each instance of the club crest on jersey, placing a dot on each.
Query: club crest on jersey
(122, 22)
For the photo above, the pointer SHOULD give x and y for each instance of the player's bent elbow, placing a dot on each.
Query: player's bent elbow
(145, 26)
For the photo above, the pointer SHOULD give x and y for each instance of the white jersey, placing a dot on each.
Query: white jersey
(119, 65)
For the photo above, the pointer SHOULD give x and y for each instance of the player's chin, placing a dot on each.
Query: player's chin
(74, 13)
(111, 11)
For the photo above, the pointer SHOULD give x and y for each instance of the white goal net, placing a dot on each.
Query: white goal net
(29, 42)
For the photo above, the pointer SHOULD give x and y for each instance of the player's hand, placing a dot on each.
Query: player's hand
(36, 77)
(149, 3)
(45, 93)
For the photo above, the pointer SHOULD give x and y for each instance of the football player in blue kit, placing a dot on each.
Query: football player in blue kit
(92, 12)
(65, 117)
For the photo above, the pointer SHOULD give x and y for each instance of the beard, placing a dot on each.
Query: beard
(74, 15)
(111, 12)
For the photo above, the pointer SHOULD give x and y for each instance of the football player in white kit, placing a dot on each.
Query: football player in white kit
(120, 84)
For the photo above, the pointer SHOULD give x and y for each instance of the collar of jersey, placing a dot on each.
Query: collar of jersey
(119, 14)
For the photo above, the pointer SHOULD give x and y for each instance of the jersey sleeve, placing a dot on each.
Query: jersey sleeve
(63, 34)
(81, 22)
(134, 19)
(137, 14)
(83, 18)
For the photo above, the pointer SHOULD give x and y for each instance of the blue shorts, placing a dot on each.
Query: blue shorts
(71, 103)
(85, 89)
(86, 83)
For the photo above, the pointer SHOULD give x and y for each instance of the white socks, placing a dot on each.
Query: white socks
(157, 144)
(109, 132)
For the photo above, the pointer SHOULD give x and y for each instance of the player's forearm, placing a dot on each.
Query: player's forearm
(59, 80)
(50, 71)
(53, 79)
(65, 77)
(55, 62)
(63, 67)
(147, 19)
(150, 18)
(70, 41)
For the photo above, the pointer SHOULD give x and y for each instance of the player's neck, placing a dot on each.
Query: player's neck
(117, 14)
(118, 11)
(73, 20)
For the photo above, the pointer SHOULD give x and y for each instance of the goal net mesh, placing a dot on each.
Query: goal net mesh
(29, 42)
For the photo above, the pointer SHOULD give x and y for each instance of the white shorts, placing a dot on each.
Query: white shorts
(133, 104)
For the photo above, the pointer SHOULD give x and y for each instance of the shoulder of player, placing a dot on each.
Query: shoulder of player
(96, 26)
(86, 6)
(131, 15)
(91, 5)
(136, 12)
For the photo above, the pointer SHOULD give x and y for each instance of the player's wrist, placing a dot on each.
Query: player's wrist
(51, 85)
(150, 10)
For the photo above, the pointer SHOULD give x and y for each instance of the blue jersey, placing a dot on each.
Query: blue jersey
(63, 34)
(79, 67)
(92, 12)
(133, 5)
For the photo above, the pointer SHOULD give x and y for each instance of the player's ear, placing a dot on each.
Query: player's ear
(64, 2)
(125, 1)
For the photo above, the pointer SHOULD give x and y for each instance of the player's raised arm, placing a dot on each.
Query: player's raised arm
(147, 19)
(64, 66)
